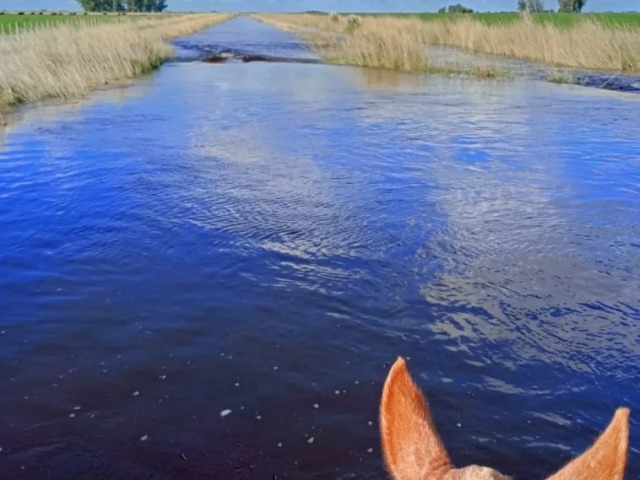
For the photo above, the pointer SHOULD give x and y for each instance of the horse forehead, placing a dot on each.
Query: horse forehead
(477, 473)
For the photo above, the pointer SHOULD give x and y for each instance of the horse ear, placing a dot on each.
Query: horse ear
(412, 447)
(607, 458)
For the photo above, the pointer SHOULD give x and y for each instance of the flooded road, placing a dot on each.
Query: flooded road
(210, 277)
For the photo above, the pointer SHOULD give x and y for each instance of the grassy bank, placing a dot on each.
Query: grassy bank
(401, 43)
(69, 60)
(587, 45)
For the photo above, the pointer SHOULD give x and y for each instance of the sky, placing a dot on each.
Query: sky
(326, 5)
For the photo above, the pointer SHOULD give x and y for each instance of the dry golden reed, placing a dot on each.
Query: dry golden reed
(66, 61)
(387, 43)
(401, 43)
(588, 44)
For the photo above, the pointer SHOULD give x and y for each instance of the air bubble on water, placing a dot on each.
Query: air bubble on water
(162, 377)
(337, 392)
(72, 415)
(311, 440)
(459, 425)
(279, 444)
(136, 393)
(275, 368)
(370, 423)
(370, 450)
(237, 384)
(316, 406)
(258, 417)
(77, 407)
(144, 438)
(224, 413)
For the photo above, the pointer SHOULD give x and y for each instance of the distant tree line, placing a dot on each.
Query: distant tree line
(123, 5)
(572, 6)
(457, 8)
(533, 6)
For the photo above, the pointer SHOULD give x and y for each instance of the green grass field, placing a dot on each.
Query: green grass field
(563, 19)
(626, 19)
(9, 22)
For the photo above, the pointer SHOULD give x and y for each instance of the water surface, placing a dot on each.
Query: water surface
(267, 238)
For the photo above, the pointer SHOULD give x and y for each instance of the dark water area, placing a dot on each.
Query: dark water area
(242, 36)
(210, 276)
(607, 81)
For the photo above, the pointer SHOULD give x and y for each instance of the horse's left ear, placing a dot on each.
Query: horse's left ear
(607, 458)
(411, 445)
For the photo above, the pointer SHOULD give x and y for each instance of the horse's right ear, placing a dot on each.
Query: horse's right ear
(411, 445)
(607, 458)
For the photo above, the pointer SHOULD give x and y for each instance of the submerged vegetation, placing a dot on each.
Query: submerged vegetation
(68, 60)
(401, 43)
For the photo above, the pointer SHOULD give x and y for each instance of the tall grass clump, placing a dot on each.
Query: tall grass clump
(66, 61)
(395, 44)
(378, 44)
